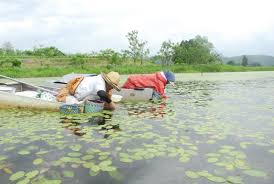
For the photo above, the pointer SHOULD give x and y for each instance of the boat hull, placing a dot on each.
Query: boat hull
(9, 100)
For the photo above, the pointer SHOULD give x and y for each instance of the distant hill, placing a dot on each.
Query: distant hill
(263, 60)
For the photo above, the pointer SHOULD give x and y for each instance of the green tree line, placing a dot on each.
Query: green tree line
(197, 50)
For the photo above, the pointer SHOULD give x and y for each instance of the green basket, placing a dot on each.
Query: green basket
(70, 109)
(93, 106)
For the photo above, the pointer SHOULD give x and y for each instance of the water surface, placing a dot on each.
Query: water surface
(213, 128)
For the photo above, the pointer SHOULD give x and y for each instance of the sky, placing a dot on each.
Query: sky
(235, 27)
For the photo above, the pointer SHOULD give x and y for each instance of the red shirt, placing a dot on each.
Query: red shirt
(155, 81)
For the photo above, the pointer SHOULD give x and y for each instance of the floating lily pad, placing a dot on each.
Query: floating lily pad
(68, 174)
(24, 181)
(87, 157)
(212, 160)
(7, 170)
(184, 159)
(255, 173)
(105, 163)
(116, 175)
(32, 174)
(204, 174)
(23, 152)
(216, 179)
(38, 161)
(95, 168)
(234, 179)
(76, 147)
(2, 157)
(17, 175)
(192, 174)
(74, 154)
(41, 152)
(127, 160)
(88, 165)
(92, 173)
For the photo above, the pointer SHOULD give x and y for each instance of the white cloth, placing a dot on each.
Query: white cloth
(89, 87)
(31, 94)
(163, 74)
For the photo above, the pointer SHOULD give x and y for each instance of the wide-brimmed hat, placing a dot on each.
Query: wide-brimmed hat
(113, 79)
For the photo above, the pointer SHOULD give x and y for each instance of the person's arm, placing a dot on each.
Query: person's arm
(104, 96)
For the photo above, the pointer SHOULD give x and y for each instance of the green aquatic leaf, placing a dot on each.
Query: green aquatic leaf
(213, 154)
(92, 173)
(87, 157)
(41, 152)
(227, 147)
(271, 151)
(95, 168)
(24, 181)
(204, 174)
(224, 150)
(192, 174)
(17, 175)
(216, 179)
(53, 181)
(211, 141)
(6, 170)
(74, 154)
(38, 161)
(234, 179)
(75, 147)
(127, 160)
(184, 159)
(105, 163)
(2, 157)
(32, 174)
(68, 174)
(255, 173)
(23, 152)
(57, 163)
(88, 165)
(212, 160)
(116, 175)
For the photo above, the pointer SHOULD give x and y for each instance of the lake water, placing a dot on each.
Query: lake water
(213, 128)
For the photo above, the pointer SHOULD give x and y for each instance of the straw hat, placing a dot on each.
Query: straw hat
(113, 79)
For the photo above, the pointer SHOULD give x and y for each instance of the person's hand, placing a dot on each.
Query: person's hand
(109, 106)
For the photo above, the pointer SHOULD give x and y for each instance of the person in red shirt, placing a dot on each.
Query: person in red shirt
(156, 81)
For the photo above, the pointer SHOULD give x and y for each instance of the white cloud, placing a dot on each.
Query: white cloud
(234, 26)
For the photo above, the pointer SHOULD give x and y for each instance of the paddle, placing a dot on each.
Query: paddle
(25, 83)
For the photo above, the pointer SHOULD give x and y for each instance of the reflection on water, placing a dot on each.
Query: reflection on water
(205, 132)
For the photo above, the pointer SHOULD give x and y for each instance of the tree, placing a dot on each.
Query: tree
(78, 59)
(47, 52)
(106, 54)
(166, 52)
(8, 48)
(195, 51)
(137, 50)
(244, 61)
(231, 62)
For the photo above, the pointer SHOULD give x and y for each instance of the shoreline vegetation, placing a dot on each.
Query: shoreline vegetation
(30, 70)
(196, 55)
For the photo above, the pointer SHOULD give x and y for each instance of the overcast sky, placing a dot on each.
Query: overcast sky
(235, 27)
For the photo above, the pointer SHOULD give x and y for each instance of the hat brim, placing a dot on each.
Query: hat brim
(110, 82)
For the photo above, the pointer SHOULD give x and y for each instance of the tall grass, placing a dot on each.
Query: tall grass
(51, 71)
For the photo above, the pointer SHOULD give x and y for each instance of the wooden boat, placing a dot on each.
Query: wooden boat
(10, 100)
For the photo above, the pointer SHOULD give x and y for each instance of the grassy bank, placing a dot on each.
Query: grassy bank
(123, 69)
